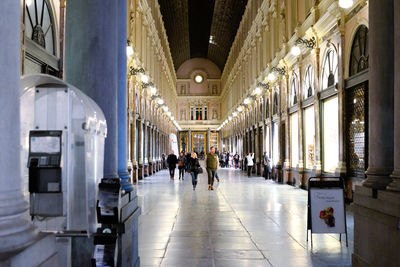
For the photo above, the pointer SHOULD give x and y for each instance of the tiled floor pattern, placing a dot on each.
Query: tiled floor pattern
(243, 222)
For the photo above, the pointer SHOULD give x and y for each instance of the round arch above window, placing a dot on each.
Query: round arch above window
(293, 92)
(359, 56)
(330, 69)
(309, 82)
(275, 104)
(39, 24)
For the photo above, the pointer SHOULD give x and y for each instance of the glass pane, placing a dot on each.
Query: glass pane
(275, 143)
(198, 144)
(39, 4)
(28, 26)
(331, 134)
(294, 140)
(31, 67)
(309, 133)
(267, 140)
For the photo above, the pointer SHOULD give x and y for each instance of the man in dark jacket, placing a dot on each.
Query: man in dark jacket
(211, 167)
(171, 161)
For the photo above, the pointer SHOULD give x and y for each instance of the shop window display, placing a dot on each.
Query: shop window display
(309, 134)
(330, 134)
(294, 140)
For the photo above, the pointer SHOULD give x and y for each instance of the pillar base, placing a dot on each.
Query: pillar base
(125, 184)
(258, 168)
(395, 184)
(150, 168)
(140, 172)
(41, 253)
(378, 178)
(145, 170)
(376, 227)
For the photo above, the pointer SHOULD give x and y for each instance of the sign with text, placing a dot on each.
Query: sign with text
(327, 210)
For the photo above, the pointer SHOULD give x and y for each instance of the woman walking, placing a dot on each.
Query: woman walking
(250, 163)
(181, 166)
(193, 167)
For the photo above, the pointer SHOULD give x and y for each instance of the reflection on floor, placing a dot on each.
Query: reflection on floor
(243, 222)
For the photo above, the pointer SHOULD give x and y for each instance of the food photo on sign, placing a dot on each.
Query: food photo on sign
(327, 211)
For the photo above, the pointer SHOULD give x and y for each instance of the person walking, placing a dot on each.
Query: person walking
(236, 160)
(250, 163)
(163, 161)
(193, 168)
(267, 166)
(171, 161)
(181, 165)
(211, 167)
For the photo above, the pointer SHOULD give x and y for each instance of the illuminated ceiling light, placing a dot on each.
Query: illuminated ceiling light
(165, 108)
(295, 51)
(169, 113)
(271, 76)
(229, 118)
(160, 101)
(144, 78)
(234, 114)
(198, 78)
(173, 119)
(153, 90)
(246, 101)
(240, 108)
(345, 3)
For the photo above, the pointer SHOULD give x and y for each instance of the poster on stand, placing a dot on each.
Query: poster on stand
(327, 211)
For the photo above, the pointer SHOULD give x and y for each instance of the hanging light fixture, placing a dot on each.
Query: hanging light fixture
(346, 3)
(165, 108)
(240, 108)
(246, 101)
(160, 101)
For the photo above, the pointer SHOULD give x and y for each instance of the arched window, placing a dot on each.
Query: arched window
(261, 109)
(330, 69)
(275, 108)
(309, 82)
(267, 109)
(293, 92)
(359, 55)
(39, 24)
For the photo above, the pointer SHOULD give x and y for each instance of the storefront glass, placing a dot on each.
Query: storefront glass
(267, 140)
(309, 136)
(330, 134)
(275, 143)
(294, 140)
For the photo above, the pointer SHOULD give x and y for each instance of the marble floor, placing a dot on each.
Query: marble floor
(243, 222)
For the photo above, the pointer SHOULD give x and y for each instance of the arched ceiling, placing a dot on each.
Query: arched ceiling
(201, 28)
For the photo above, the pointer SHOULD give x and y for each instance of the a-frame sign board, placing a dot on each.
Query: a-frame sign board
(326, 212)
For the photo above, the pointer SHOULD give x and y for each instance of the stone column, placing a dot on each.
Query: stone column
(16, 232)
(256, 154)
(318, 146)
(395, 184)
(91, 64)
(381, 78)
(122, 95)
(189, 144)
(141, 147)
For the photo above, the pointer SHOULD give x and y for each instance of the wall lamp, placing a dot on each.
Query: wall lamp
(309, 43)
(135, 71)
(263, 85)
(281, 71)
(145, 85)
